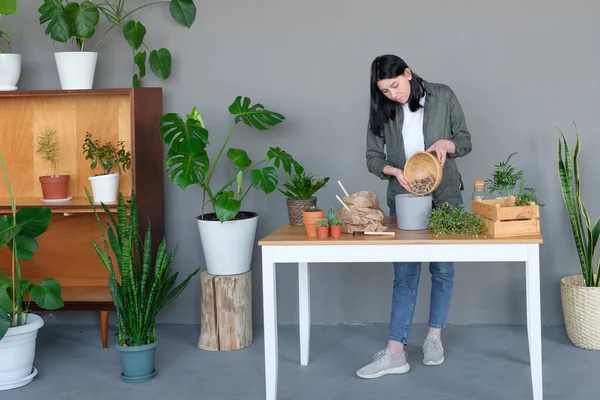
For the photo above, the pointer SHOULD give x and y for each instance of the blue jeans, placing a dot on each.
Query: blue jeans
(404, 296)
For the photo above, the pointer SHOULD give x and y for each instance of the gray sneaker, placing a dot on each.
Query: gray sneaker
(433, 352)
(384, 363)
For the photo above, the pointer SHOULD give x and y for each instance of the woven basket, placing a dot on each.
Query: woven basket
(581, 311)
(295, 208)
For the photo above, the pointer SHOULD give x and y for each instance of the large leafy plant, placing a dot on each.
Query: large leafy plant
(7, 7)
(69, 21)
(134, 32)
(188, 162)
(584, 233)
(19, 231)
(302, 186)
(504, 181)
(140, 286)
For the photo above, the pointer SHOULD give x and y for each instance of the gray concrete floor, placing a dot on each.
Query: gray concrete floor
(482, 363)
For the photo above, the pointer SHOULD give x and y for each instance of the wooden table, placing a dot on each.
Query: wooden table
(290, 244)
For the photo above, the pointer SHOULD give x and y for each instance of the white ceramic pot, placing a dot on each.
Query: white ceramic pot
(76, 69)
(17, 353)
(228, 246)
(413, 211)
(10, 71)
(105, 188)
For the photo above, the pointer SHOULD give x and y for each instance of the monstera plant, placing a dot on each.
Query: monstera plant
(188, 164)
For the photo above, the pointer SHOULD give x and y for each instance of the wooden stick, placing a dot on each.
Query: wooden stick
(340, 200)
(344, 189)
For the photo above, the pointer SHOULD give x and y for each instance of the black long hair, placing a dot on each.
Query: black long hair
(383, 109)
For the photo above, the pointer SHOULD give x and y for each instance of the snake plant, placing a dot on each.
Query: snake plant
(584, 233)
(140, 288)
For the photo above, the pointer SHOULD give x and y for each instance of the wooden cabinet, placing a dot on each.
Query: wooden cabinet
(65, 251)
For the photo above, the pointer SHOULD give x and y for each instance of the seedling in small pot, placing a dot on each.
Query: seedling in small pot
(54, 186)
(322, 228)
(335, 227)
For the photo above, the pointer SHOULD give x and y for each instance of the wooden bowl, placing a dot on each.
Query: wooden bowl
(420, 165)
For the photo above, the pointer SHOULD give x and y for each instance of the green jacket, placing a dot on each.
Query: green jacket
(443, 118)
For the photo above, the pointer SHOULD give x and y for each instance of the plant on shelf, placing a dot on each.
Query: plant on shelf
(19, 231)
(105, 185)
(335, 227)
(141, 284)
(504, 181)
(188, 164)
(455, 220)
(322, 228)
(299, 192)
(10, 64)
(54, 186)
(7, 7)
(309, 219)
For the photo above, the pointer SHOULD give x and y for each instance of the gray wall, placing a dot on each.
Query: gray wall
(520, 69)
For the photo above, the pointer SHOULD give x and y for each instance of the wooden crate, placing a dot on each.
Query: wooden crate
(503, 219)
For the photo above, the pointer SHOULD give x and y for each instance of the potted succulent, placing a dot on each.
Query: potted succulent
(79, 21)
(74, 22)
(579, 293)
(18, 327)
(299, 192)
(10, 63)
(141, 285)
(322, 228)
(188, 164)
(54, 186)
(105, 185)
(309, 219)
(335, 225)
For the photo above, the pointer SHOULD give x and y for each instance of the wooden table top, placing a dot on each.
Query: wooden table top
(296, 235)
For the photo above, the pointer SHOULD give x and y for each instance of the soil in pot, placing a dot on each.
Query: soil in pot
(336, 231)
(55, 187)
(322, 232)
(309, 219)
(137, 362)
(296, 207)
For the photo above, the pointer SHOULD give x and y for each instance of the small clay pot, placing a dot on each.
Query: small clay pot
(55, 187)
(322, 232)
(336, 231)
(308, 219)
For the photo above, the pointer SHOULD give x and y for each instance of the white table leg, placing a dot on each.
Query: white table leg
(304, 311)
(270, 322)
(534, 319)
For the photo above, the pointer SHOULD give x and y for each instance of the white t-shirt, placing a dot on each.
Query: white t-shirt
(412, 130)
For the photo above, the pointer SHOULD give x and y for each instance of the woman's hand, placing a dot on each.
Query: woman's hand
(442, 147)
(398, 173)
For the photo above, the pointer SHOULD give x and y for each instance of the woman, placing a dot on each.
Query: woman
(408, 115)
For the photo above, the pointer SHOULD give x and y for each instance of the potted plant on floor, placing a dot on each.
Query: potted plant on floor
(580, 294)
(141, 285)
(10, 63)
(105, 185)
(77, 23)
(18, 327)
(54, 186)
(299, 192)
(188, 164)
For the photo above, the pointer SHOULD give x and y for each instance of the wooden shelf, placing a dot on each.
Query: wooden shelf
(70, 93)
(75, 205)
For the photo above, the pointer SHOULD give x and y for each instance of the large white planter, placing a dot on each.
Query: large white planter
(76, 69)
(105, 188)
(10, 71)
(228, 246)
(17, 353)
(581, 312)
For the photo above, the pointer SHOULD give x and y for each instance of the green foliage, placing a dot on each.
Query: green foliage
(48, 146)
(302, 186)
(188, 162)
(143, 287)
(451, 220)
(504, 180)
(313, 209)
(322, 222)
(331, 213)
(69, 21)
(335, 222)
(106, 155)
(7, 7)
(19, 232)
(585, 237)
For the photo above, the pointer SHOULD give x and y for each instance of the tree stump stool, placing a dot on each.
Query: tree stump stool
(226, 311)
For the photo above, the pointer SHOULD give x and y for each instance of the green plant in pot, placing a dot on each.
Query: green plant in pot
(105, 185)
(10, 63)
(448, 219)
(580, 294)
(141, 284)
(299, 192)
(19, 231)
(54, 186)
(504, 181)
(188, 164)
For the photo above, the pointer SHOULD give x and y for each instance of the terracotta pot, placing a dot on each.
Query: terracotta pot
(308, 219)
(322, 232)
(55, 187)
(336, 231)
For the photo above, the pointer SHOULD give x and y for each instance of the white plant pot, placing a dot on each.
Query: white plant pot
(10, 71)
(228, 246)
(413, 211)
(17, 353)
(105, 188)
(76, 69)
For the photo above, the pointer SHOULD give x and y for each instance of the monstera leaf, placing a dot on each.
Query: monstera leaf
(183, 11)
(8, 7)
(71, 21)
(254, 116)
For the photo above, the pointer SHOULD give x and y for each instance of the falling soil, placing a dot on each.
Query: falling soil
(422, 185)
(240, 216)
